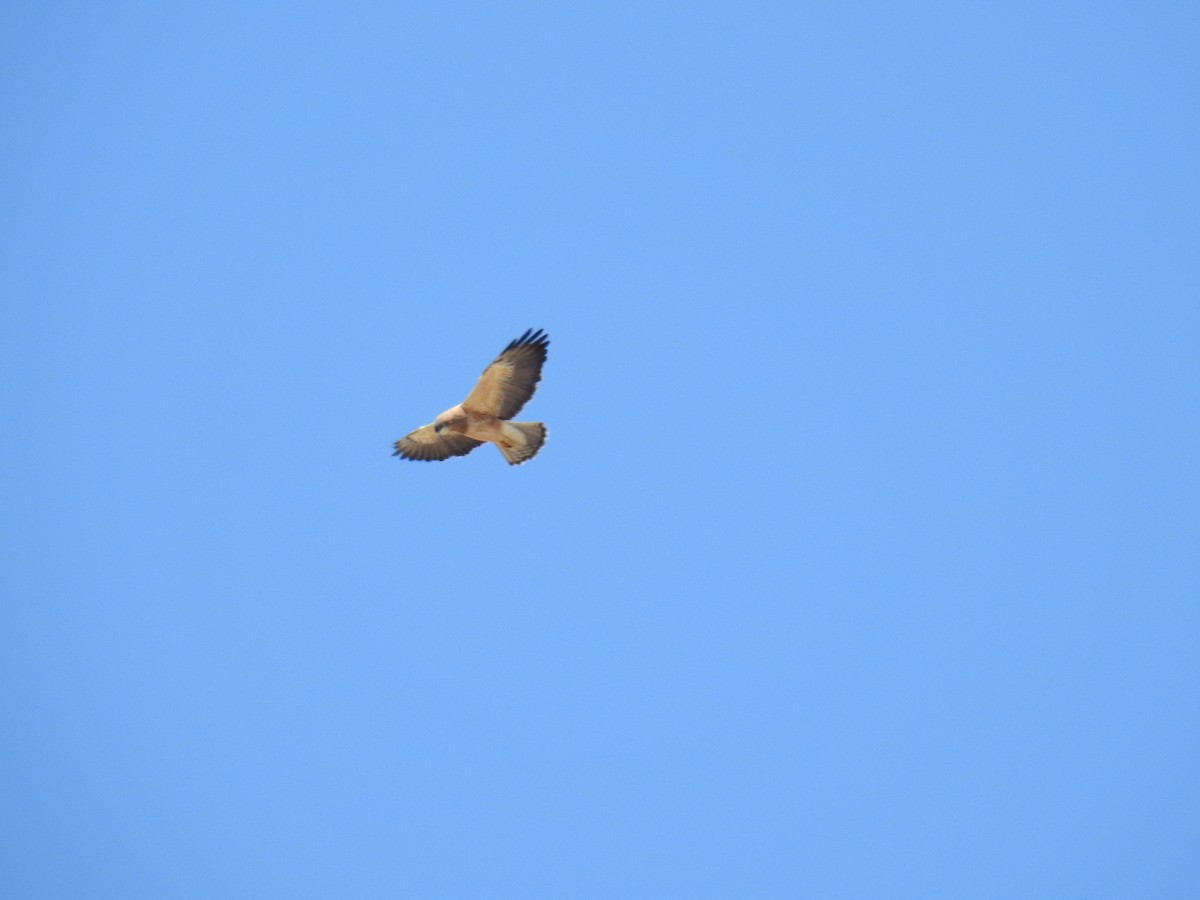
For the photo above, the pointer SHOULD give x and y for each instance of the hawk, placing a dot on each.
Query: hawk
(504, 387)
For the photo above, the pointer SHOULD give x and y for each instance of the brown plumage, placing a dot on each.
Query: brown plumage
(504, 387)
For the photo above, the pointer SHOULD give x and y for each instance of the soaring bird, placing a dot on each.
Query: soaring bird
(504, 387)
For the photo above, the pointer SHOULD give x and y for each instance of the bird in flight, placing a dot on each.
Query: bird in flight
(503, 388)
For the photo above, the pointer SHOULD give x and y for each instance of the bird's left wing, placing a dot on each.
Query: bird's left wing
(508, 383)
(427, 445)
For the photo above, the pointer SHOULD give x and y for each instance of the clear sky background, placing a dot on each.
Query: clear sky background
(863, 559)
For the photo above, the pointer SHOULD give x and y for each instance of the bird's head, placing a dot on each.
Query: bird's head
(447, 419)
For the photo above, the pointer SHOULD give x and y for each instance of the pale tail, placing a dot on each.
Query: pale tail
(534, 434)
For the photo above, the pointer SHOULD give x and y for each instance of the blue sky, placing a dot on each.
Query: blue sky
(861, 561)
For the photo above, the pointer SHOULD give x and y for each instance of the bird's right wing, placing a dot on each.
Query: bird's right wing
(427, 445)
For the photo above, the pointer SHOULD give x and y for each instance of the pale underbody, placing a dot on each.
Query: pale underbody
(479, 426)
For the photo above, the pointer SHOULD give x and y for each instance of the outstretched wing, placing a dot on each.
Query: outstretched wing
(427, 445)
(508, 383)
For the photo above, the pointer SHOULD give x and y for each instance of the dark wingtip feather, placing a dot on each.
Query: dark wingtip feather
(531, 338)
